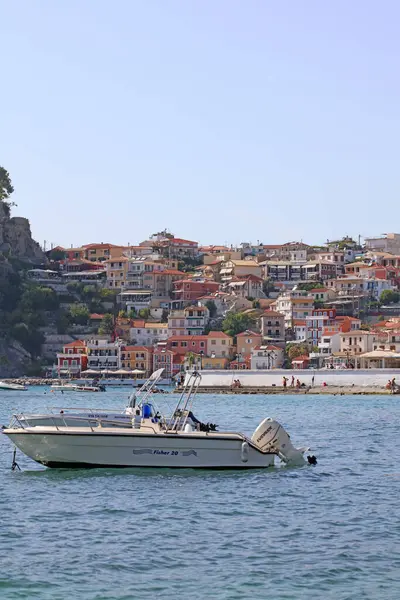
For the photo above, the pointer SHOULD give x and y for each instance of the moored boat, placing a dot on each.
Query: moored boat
(155, 441)
(17, 387)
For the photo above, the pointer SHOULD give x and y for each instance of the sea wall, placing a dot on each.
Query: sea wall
(338, 378)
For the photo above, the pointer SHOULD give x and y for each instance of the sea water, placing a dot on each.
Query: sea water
(329, 531)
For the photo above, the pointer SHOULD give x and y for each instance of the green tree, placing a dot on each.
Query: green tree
(144, 313)
(62, 322)
(37, 297)
(164, 316)
(190, 358)
(6, 189)
(295, 350)
(10, 292)
(256, 304)
(122, 314)
(107, 324)
(310, 285)
(389, 297)
(108, 295)
(75, 287)
(268, 287)
(56, 254)
(88, 293)
(132, 314)
(212, 307)
(78, 314)
(235, 323)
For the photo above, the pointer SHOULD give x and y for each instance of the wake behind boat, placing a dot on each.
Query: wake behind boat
(153, 440)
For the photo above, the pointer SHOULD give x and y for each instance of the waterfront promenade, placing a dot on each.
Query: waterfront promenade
(316, 382)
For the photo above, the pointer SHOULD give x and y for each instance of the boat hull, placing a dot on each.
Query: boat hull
(102, 448)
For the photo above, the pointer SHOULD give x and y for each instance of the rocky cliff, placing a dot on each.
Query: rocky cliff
(16, 238)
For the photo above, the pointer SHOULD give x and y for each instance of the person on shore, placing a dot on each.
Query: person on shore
(292, 382)
(312, 381)
(298, 383)
(393, 384)
(285, 379)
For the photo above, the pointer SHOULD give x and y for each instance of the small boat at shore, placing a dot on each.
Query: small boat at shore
(152, 440)
(17, 387)
(71, 387)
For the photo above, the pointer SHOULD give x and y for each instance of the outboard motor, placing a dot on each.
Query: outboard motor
(271, 436)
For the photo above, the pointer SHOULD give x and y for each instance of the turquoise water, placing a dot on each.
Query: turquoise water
(330, 531)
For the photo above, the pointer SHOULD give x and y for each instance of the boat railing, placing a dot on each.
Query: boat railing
(87, 408)
(21, 421)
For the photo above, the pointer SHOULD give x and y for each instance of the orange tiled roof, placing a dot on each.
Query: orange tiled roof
(138, 324)
(218, 334)
(76, 344)
(247, 333)
(136, 348)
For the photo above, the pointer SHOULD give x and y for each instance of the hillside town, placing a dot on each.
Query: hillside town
(171, 302)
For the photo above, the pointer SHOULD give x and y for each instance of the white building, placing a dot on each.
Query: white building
(192, 320)
(148, 334)
(266, 357)
(388, 242)
(103, 354)
(356, 342)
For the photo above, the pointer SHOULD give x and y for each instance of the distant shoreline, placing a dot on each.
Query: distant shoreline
(335, 390)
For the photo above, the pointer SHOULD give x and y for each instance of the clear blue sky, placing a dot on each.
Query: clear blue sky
(222, 120)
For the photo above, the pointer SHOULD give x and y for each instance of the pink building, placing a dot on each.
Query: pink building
(181, 344)
(188, 289)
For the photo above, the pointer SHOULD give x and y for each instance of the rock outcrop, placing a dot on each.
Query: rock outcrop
(13, 359)
(16, 238)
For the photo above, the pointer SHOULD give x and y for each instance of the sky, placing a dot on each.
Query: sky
(223, 121)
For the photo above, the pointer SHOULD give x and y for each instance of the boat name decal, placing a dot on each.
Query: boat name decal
(97, 415)
(164, 452)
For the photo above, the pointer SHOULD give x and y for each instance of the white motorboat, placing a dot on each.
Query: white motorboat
(73, 387)
(17, 387)
(63, 387)
(155, 441)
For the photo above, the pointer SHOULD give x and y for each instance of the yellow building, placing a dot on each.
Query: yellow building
(137, 358)
(101, 252)
(116, 269)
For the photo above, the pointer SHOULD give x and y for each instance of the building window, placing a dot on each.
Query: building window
(213, 342)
